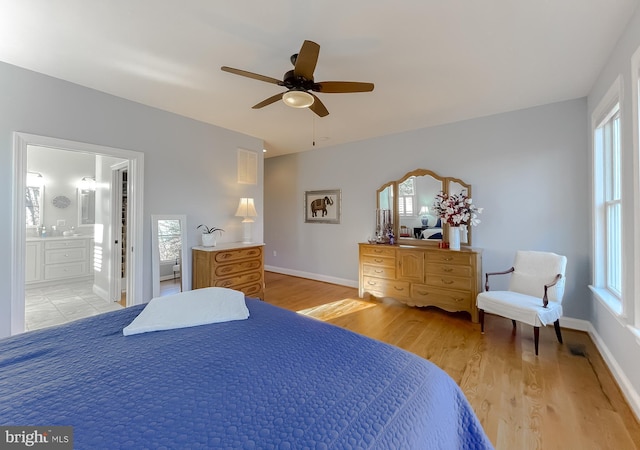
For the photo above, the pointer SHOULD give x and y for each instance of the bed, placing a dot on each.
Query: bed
(432, 233)
(275, 380)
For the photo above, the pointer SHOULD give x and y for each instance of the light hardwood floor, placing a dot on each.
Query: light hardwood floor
(565, 398)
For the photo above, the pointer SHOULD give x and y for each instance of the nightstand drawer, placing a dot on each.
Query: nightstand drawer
(224, 270)
(237, 254)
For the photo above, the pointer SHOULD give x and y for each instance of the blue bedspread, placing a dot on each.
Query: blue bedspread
(276, 380)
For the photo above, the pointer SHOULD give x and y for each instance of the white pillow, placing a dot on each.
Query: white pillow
(189, 309)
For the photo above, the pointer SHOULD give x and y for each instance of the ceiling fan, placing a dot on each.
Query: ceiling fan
(299, 82)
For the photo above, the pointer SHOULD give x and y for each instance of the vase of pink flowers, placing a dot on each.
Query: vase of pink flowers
(457, 211)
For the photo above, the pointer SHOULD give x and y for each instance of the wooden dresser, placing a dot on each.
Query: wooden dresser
(422, 276)
(233, 265)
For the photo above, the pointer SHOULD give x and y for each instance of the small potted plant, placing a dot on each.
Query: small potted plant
(209, 235)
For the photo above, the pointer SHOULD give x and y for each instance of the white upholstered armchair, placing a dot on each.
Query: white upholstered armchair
(535, 292)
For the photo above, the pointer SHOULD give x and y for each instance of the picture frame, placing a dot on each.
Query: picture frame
(322, 206)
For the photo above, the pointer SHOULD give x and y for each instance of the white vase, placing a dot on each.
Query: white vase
(208, 240)
(454, 238)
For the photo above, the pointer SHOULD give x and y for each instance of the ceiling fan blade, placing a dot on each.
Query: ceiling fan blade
(268, 101)
(318, 107)
(340, 87)
(306, 60)
(255, 76)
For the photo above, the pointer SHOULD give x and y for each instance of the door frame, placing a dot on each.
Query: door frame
(116, 220)
(135, 229)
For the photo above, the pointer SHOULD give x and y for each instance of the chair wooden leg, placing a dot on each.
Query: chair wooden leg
(536, 337)
(556, 325)
(514, 323)
(481, 317)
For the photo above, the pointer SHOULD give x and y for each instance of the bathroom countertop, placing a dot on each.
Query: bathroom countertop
(59, 238)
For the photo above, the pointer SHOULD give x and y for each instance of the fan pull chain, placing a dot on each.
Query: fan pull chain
(313, 138)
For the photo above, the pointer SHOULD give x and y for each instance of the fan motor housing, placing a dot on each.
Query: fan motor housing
(291, 81)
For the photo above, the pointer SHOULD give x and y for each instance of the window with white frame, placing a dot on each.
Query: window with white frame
(608, 199)
(406, 197)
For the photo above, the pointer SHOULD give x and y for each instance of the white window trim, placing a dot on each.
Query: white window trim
(632, 307)
(600, 114)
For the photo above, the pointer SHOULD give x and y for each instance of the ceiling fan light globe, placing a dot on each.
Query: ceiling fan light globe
(297, 99)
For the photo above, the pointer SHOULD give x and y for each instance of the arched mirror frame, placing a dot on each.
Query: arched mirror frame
(155, 252)
(448, 186)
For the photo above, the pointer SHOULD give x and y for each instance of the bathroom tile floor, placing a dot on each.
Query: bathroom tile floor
(54, 305)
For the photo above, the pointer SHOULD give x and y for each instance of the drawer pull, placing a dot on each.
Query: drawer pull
(423, 292)
(448, 258)
(447, 269)
(371, 283)
(447, 281)
(379, 271)
(458, 299)
(398, 288)
(378, 260)
(377, 251)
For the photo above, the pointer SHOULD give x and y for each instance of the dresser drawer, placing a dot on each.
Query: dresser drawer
(65, 255)
(446, 299)
(386, 288)
(237, 254)
(450, 257)
(450, 282)
(251, 290)
(224, 270)
(378, 260)
(379, 271)
(58, 271)
(235, 281)
(449, 269)
(71, 243)
(378, 250)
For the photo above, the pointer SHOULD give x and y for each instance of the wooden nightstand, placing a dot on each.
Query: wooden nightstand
(233, 265)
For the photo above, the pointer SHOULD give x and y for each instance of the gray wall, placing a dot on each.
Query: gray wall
(619, 344)
(190, 166)
(527, 169)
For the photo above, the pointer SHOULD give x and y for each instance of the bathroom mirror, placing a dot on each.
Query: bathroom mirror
(34, 200)
(87, 206)
(414, 221)
(169, 260)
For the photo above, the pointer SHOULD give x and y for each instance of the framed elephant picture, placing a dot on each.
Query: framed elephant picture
(322, 206)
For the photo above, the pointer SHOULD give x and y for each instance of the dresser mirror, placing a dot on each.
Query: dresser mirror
(411, 199)
(169, 254)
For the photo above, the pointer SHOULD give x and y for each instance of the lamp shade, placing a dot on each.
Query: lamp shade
(246, 208)
(298, 99)
(424, 211)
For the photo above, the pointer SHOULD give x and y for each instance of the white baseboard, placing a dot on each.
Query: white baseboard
(625, 385)
(312, 276)
(102, 293)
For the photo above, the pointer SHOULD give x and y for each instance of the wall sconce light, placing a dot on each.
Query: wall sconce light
(247, 210)
(35, 179)
(87, 184)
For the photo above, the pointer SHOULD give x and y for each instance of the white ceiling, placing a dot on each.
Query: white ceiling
(432, 61)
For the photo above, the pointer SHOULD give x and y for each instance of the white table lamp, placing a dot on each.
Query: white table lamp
(247, 210)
